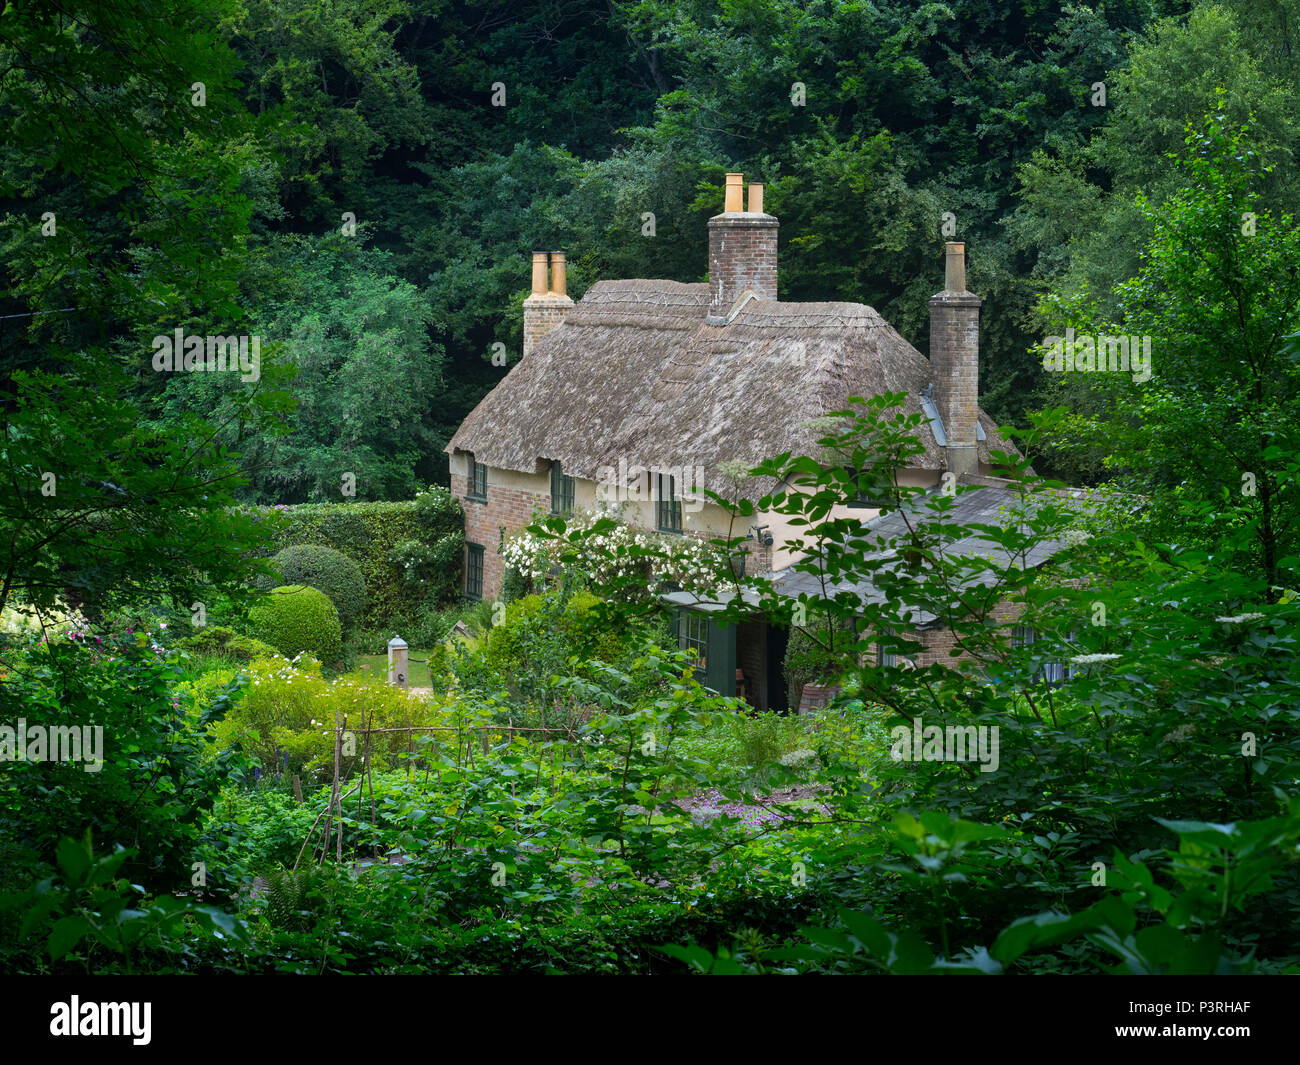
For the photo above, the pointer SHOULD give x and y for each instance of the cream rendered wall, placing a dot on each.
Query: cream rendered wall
(701, 518)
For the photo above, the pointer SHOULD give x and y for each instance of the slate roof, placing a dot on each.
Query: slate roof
(983, 502)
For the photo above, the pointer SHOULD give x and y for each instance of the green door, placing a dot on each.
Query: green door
(714, 645)
(721, 671)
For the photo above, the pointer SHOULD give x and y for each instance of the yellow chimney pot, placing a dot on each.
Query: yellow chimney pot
(539, 273)
(755, 198)
(954, 267)
(558, 279)
(732, 203)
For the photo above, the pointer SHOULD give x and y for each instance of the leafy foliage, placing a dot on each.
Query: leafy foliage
(155, 784)
(217, 641)
(289, 713)
(95, 917)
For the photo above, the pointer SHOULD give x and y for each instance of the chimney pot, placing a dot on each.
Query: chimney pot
(954, 267)
(559, 282)
(755, 198)
(539, 273)
(732, 200)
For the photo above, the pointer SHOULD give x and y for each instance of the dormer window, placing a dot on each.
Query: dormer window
(864, 494)
(561, 491)
(668, 509)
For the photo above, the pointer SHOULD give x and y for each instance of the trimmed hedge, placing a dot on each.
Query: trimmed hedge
(368, 533)
(296, 618)
(325, 569)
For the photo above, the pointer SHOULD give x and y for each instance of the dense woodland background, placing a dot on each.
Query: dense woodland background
(228, 217)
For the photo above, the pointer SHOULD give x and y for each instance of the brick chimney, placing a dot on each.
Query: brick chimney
(549, 303)
(955, 361)
(742, 250)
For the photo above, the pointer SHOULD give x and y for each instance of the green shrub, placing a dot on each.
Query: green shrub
(425, 566)
(535, 639)
(429, 628)
(296, 618)
(288, 714)
(591, 632)
(514, 585)
(807, 661)
(195, 697)
(326, 570)
(746, 743)
(368, 532)
(219, 642)
(478, 617)
(253, 830)
(507, 646)
(155, 781)
(366, 641)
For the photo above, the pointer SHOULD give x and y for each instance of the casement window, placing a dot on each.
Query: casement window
(885, 657)
(668, 510)
(477, 481)
(474, 571)
(1049, 672)
(695, 637)
(1056, 672)
(561, 491)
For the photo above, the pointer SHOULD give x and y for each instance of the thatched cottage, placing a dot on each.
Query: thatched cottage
(668, 381)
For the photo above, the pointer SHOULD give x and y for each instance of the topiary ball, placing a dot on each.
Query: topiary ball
(327, 570)
(296, 618)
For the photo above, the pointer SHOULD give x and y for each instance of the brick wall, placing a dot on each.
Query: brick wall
(508, 508)
(541, 315)
(940, 642)
(513, 508)
(742, 254)
(954, 365)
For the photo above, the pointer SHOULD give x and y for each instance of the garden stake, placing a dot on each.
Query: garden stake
(338, 753)
(311, 832)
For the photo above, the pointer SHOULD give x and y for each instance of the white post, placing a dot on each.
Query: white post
(397, 660)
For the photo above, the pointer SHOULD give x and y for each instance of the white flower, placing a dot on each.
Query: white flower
(1088, 660)
(1239, 619)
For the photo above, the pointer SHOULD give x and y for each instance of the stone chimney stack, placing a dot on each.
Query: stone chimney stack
(955, 362)
(742, 250)
(548, 303)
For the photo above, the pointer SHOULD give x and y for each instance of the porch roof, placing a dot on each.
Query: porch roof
(994, 504)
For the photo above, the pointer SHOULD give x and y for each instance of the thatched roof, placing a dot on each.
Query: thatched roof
(636, 373)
